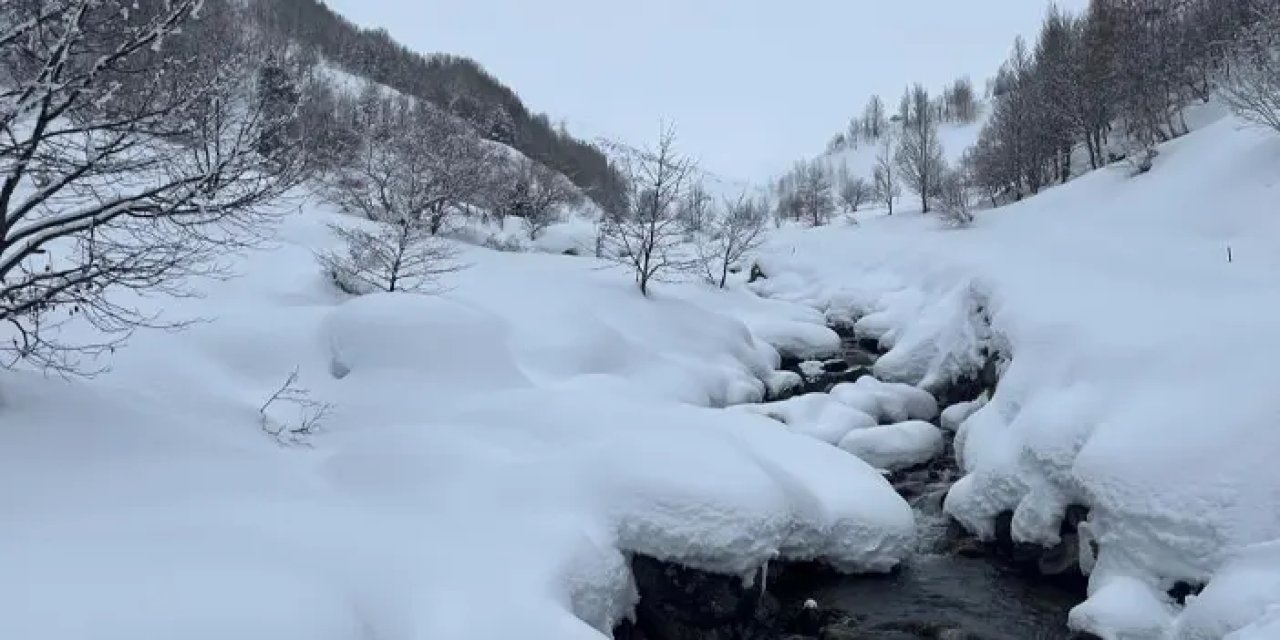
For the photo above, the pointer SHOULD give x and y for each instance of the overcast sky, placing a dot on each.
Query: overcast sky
(752, 85)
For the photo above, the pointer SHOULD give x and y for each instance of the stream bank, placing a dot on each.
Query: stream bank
(952, 588)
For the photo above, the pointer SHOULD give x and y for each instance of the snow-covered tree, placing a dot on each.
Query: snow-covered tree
(415, 162)
(733, 232)
(644, 235)
(952, 198)
(1253, 87)
(534, 193)
(392, 254)
(696, 209)
(129, 160)
(852, 191)
(813, 192)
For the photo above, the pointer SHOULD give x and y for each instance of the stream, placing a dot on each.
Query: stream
(951, 588)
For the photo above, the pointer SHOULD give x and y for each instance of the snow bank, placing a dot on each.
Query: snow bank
(497, 449)
(1142, 359)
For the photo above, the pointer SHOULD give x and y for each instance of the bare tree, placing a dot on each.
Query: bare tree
(696, 209)
(128, 161)
(395, 255)
(920, 154)
(535, 194)
(1253, 88)
(952, 199)
(854, 191)
(735, 231)
(813, 192)
(874, 121)
(644, 235)
(888, 186)
(415, 162)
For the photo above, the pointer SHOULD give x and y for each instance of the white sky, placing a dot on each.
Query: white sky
(752, 85)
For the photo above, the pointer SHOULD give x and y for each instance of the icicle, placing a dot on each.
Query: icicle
(764, 578)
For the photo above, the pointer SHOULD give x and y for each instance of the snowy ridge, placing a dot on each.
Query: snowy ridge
(492, 456)
(1138, 352)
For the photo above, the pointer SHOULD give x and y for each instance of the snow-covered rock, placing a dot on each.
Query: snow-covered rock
(896, 446)
(816, 415)
(887, 401)
(955, 415)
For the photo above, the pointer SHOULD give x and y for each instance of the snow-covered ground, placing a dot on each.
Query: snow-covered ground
(492, 455)
(1142, 373)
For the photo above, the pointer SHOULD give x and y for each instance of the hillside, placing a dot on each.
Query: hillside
(455, 83)
(1137, 349)
(305, 336)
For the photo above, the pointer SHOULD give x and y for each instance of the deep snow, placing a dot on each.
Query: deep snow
(492, 455)
(1142, 364)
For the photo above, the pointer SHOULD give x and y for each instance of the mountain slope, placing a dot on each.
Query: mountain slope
(455, 83)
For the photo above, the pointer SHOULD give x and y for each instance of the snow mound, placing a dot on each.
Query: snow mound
(435, 338)
(955, 415)
(816, 415)
(1123, 608)
(1241, 593)
(897, 446)
(887, 401)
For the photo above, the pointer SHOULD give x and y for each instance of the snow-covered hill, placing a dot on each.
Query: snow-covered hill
(1139, 315)
(490, 455)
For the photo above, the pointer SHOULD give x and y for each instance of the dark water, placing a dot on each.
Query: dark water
(970, 594)
(935, 587)
(980, 596)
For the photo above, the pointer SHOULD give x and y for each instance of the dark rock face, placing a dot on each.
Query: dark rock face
(679, 603)
(757, 273)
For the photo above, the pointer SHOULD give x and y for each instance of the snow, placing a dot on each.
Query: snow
(492, 456)
(955, 415)
(896, 446)
(816, 415)
(1241, 593)
(778, 383)
(887, 401)
(1140, 359)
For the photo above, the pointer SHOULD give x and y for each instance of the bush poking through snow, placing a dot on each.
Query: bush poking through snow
(396, 256)
(309, 413)
(731, 233)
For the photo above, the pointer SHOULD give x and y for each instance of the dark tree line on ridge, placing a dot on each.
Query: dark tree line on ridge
(457, 84)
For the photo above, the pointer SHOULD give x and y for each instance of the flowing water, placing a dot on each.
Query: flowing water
(937, 588)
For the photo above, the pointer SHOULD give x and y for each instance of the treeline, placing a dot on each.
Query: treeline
(1107, 85)
(457, 84)
(958, 104)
